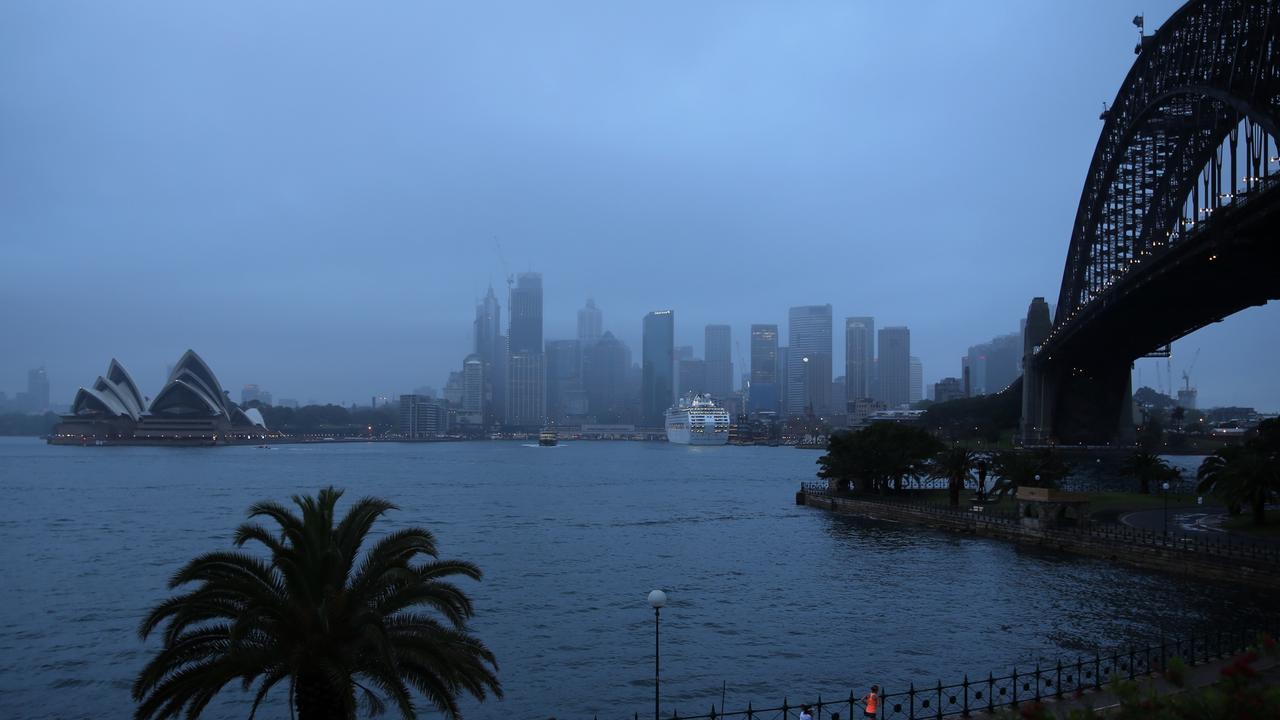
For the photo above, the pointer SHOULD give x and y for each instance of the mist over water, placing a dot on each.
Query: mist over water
(768, 598)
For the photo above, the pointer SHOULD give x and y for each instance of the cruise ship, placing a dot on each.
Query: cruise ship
(697, 420)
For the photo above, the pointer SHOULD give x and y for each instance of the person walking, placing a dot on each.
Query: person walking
(804, 713)
(872, 701)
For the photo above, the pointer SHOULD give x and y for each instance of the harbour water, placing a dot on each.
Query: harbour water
(766, 599)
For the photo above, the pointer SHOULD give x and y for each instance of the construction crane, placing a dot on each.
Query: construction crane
(1186, 374)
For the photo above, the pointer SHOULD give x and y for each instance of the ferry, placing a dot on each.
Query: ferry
(548, 437)
(697, 420)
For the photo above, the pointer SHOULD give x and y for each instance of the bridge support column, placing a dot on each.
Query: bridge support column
(1038, 381)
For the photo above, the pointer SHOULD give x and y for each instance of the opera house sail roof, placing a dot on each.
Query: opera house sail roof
(191, 407)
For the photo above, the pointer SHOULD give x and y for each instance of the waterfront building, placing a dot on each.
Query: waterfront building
(809, 367)
(861, 410)
(859, 357)
(489, 344)
(762, 390)
(252, 392)
(191, 408)
(37, 390)
(839, 391)
(948, 389)
(287, 403)
(916, 381)
(605, 366)
(422, 417)
(894, 366)
(590, 324)
(657, 381)
(526, 365)
(718, 354)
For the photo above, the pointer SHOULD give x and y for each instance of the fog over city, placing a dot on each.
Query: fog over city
(314, 196)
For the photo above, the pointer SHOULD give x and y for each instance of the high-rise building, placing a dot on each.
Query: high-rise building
(249, 393)
(38, 390)
(490, 347)
(473, 390)
(691, 377)
(916, 382)
(859, 357)
(763, 391)
(604, 368)
(526, 366)
(894, 366)
(657, 384)
(809, 366)
(718, 353)
(422, 417)
(948, 389)
(564, 378)
(784, 372)
(590, 324)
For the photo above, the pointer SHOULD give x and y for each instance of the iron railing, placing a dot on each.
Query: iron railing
(1062, 679)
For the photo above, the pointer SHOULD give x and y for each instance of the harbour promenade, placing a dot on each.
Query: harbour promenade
(1218, 559)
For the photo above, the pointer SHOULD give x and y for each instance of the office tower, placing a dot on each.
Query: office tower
(859, 357)
(763, 386)
(784, 371)
(489, 345)
(809, 366)
(657, 384)
(473, 390)
(691, 377)
(249, 393)
(422, 417)
(839, 391)
(916, 381)
(38, 390)
(718, 354)
(684, 352)
(604, 367)
(894, 366)
(564, 377)
(590, 324)
(948, 389)
(526, 364)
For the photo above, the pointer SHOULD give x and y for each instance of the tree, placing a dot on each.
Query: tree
(953, 464)
(1148, 467)
(1037, 468)
(877, 455)
(322, 616)
(1247, 474)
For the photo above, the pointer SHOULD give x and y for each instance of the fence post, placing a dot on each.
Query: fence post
(1097, 671)
(750, 715)
(939, 698)
(911, 696)
(1015, 688)
(1132, 657)
(784, 709)
(1058, 680)
(851, 701)
(991, 688)
(1038, 682)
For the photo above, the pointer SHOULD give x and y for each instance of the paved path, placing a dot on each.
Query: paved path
(1206, 520)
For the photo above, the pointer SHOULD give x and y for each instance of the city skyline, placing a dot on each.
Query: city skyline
(351, 220)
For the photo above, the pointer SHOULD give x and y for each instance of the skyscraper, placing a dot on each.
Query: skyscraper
(590, 324)
(473, 389)
(718, 353)
(894, 366)
(490, 347)
(809, 363)
(859, 357)
(916, 382)
(657, 384)
(691, 377)
(38, 390)
(764, 368)
(526, 365)
(564, 377)
(604, 370)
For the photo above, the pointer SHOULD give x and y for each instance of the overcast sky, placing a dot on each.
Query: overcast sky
(312, 194)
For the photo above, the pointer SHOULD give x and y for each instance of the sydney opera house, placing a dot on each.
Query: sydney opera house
(191, 409)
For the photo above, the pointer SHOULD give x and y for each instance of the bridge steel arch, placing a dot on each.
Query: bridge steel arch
(1207, 77)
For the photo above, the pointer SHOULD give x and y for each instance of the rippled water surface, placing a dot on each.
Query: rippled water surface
(769, 599)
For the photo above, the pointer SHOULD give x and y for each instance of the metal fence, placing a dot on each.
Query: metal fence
(1063, 679)
(1203, 544)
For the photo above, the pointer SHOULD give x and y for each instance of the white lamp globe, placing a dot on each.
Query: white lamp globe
(657, 599)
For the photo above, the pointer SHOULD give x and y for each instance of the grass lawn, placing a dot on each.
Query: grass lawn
(1106, 507)
(1244, 524)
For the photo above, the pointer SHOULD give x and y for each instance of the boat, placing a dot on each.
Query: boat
(548, 437)
(697, 420)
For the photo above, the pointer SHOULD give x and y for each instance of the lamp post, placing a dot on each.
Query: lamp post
(1165, 487)
(657, 599)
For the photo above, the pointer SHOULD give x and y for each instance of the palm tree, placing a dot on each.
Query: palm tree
(1148, 467)
(1242, 474)
(953, 464)
(319, 614)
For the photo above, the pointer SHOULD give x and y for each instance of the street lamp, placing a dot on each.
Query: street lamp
(657, 599)
(1165, 487)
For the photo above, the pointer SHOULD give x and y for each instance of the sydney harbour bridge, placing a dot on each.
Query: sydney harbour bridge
(1178, 222)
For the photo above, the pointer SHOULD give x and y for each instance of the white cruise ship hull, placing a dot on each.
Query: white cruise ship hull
(687, 437)
(697, 420)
